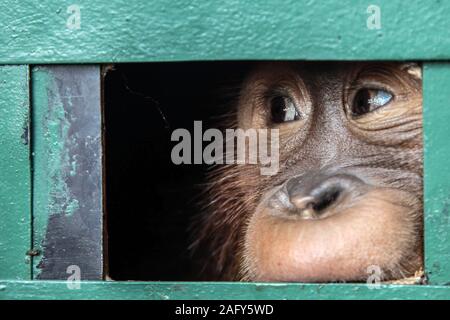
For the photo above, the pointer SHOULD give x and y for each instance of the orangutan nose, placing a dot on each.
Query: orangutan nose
(313, 195)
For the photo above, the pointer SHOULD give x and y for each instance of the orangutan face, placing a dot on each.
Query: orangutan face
(348, 193)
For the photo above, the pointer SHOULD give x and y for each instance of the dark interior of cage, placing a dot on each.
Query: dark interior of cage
(150, 201)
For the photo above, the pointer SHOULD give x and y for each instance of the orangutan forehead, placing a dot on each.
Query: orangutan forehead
(413, 69)
(279, 68)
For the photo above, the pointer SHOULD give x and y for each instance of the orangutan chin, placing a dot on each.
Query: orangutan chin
(348, 193)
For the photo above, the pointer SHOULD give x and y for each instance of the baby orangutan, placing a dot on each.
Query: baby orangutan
(348, 193)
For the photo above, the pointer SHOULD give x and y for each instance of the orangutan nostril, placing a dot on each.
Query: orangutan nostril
(312, 195)
(312, 206)
(326, 198)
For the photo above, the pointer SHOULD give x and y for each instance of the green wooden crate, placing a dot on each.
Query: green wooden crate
(103, 31)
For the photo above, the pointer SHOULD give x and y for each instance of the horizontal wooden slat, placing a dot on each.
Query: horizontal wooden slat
(110, 290)
(159, 30)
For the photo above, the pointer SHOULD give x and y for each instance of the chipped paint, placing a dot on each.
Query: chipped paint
(67, 206)
(42, 136)
(50, 156)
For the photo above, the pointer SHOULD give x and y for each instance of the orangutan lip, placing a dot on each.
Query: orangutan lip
(337, 246)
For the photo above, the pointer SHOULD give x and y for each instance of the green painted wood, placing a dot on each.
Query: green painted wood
(15, 189)
(111, 290)
(160, 30)
(436, 113)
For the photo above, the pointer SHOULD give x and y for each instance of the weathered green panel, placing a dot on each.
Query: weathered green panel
(67, 176)
(111, 290)
(15, 190)
(436, 113)
(159, 30)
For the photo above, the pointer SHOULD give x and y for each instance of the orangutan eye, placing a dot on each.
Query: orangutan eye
(283, 109)
(367, 100)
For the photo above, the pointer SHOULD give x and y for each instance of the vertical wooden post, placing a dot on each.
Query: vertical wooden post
(15, 181)
(436, 122)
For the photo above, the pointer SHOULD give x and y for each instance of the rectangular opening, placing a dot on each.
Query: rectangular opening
(150, 200)
(347, 178)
